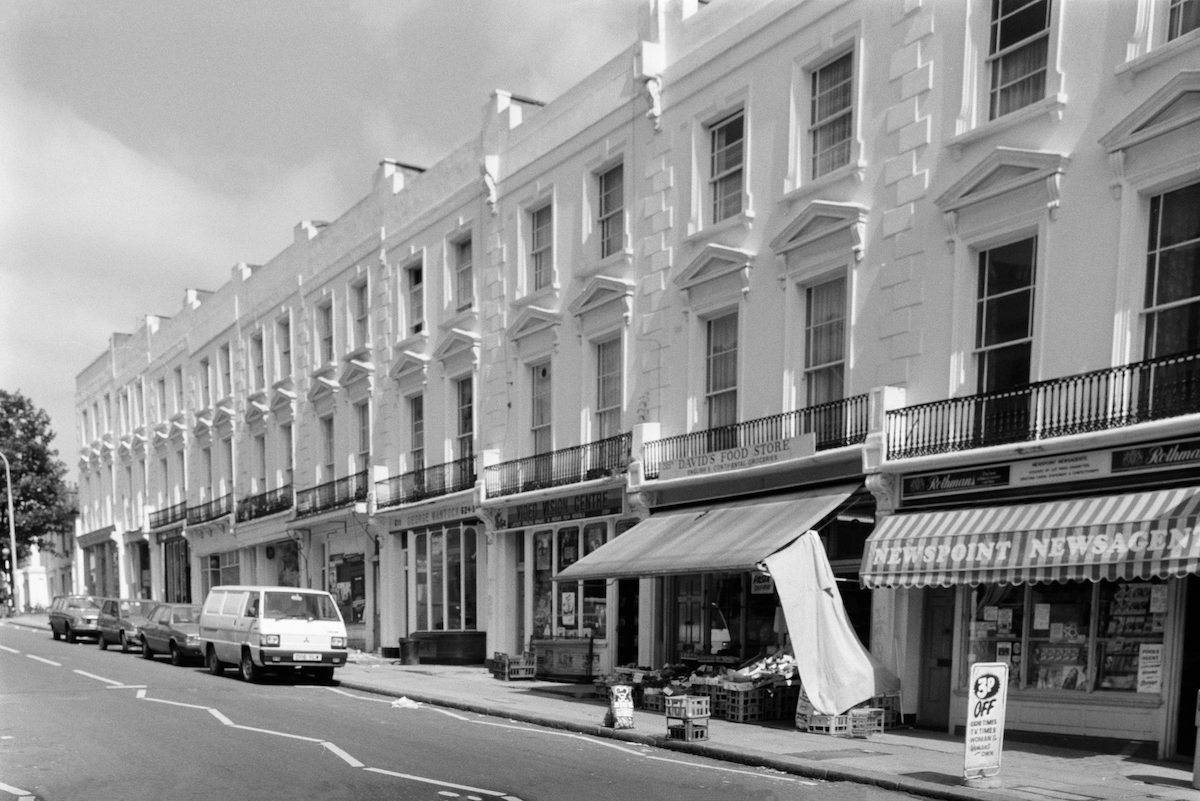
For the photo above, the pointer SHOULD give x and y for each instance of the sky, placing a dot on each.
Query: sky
(147, 147)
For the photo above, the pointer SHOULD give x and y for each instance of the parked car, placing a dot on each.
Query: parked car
(272, 629)
(121, 621)
(73, 616)
(173, 629)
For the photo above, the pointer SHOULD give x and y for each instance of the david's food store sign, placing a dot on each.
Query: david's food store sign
(763, 453)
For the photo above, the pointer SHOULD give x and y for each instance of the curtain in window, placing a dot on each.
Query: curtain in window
(721, 386)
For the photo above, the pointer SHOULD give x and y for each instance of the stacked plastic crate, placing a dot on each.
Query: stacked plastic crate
(687, 717)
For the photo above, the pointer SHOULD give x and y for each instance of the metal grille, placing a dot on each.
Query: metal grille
(218, 507)
(172, 514)
(266, 503)
(430, 482)
(332, 494)
(594, 460)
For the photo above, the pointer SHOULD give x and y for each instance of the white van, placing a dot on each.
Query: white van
(272, 628)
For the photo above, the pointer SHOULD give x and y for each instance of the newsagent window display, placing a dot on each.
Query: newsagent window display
(568, 608)
(1077, 637)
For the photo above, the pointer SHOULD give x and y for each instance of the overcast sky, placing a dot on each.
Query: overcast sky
(146, 147)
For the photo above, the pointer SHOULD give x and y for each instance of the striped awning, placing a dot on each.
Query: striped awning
(1137, 535)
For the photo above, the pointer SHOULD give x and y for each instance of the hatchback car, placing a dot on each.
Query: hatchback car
(121, 621)
(173, 629)
(73, 616)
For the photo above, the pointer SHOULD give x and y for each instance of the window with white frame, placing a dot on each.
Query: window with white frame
(164, 490)
(1183, 16)
(325, 333)
(285, 443)
(1004, 315)
(206, 463)
(608, 388)
(108, 407)
(283, 348)
(611, 208)
(84, 434)
(362, 413)
(227, 467)
(445, 573)
(825, 341)
(831, 123)
(225, 360)
(327, 457)
(541, 247)
(181, 482)
(464, 275)
(416, 432)
(721, 370)
(726, 159)
(258, 367)
(1172, 313)
(415, 292)
(179, 404)
(162, 399)
(1018, 54)
(540, 419)
(362, 310)
(260, 463)
(465, 393)
(205, 384)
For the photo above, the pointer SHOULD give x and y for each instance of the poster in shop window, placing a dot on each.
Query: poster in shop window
(1150, 660)
(986, 700)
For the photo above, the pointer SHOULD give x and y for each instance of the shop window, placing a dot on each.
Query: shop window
(177, 571)
(543, 587)
(725, 618)
(568, 609)
(1076, 637)
(288, 554)
(221, 568)
(446, 573)
(350, 587)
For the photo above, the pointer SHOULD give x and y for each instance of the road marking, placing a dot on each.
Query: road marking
(277, 733)
(10, 650)
(126, 687)
(8, 788)
(780, 777)
(47, 661)
(349, 760)
(465, 787)
(172, 703)
(98, 678)
(219, 716)
(349, 695)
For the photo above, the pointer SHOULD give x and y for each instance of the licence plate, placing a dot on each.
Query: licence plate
(306, 657)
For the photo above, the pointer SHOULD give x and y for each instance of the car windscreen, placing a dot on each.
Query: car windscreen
(83, 603)
(136, 608)
(185, 614)
(304, 605)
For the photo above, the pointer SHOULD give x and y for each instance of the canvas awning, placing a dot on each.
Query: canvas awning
(730, 537)
(1136, 535)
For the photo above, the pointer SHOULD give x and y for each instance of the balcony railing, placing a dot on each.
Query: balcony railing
(211, 510)
(1116, 397)
(835, 424)
(606, 457)
(172, 514)
(265, 503)
(430, 482)
(332, 494)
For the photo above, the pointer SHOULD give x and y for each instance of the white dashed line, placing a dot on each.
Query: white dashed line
(8, 788)
(142, 695)
(349, 760)
(10, 650)
(410, 777)
(126, 687)
(42, 659)
(219, 716)
(277, 733)
(99, 678)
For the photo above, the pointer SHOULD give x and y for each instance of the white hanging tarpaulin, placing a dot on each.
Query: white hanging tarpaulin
(836, 670)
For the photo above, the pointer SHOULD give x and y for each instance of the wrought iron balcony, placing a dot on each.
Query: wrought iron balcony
(430, 482)
(606, 457)
(1116, 397)
(211, 510)
(332, 494)
(265, 503)
(172, 514)
(836, 424)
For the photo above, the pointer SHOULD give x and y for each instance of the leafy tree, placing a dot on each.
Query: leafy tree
(43, 504)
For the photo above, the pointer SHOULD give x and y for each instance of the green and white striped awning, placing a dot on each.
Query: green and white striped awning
(1137, 535)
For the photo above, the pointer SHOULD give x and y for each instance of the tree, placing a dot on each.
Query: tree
(43, 504)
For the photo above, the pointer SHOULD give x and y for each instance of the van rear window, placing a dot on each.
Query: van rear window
(212, 604)
(301, 605)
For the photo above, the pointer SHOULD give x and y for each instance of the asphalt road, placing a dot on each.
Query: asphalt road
(77, 723)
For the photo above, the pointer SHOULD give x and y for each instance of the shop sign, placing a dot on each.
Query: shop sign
(1175, 454)
(986, 703)
(774, 452)
(432, 515)
(555, 510)
(169, 534)
(955, 481)
(1150, 664)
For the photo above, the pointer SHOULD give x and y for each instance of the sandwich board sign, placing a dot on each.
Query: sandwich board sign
(986, 699)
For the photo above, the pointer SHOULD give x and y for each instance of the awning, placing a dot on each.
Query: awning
(730, 537)
(1137, 535)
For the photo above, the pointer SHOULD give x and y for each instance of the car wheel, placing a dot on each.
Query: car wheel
(146, 652)
(70, 635)
(103, 643)
(250, 671)
(124, 643)
(176, 657)
(323, 675)
(54, 633)
(214, 665)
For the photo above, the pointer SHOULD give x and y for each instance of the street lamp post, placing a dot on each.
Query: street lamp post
(12, 536)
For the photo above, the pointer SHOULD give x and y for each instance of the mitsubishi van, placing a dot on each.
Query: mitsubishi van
(260, 629)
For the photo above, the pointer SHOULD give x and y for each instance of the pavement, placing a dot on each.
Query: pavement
(923, 763)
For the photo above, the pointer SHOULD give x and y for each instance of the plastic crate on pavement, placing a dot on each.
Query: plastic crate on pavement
(745, 705)
(511, 668)
(865, 721)
(834, 725)
(688, 706)
(687, 730)
(653, 702)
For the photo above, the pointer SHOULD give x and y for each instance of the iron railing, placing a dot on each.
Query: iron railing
(172, 514)
(430, 482)
(606, 457)
(1102, 399)
(332, 494)
(265, 503)
(210, 510)
(835, 424)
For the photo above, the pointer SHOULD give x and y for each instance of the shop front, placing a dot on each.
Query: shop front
(1091, 599)
(176, 566)
(101, 569)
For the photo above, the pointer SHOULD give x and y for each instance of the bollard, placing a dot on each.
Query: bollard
(620, 710)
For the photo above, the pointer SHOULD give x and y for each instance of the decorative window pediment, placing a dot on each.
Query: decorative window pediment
(456, 343)
(282, 399)
(820, 220)
(257, 407)
(356, 367)
(1173, 106)
(531, 320)
(204, 423)
(409, 367)
(161, 433)
(599, 292)
(324, 383)
(715, 262)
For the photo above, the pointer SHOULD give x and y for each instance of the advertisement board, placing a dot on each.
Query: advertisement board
(986, 700)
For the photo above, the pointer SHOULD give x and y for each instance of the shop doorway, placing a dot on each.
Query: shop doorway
(1189, 674)
(627, 622)
(936, 658)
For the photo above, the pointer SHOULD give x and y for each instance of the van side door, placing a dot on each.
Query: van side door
(245, 624)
